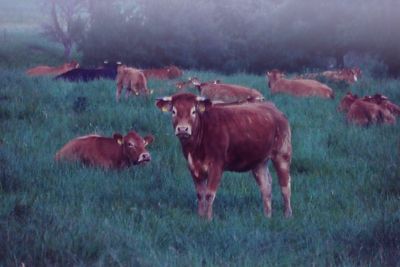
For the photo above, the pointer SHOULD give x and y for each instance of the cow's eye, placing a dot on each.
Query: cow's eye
(193, 113)
(131, 145)
(173, 112)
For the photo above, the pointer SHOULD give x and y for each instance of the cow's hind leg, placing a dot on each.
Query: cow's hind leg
(264, 181)
(282, 167)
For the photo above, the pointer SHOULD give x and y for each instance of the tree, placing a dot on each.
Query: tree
(67, 22)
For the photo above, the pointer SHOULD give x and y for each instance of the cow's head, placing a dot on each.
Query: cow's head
(73, 64)
(347, 101)
(186, 110)
(134, 147)
(273, 76)
(121, 68)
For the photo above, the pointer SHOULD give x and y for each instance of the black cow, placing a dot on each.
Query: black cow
(107, 71)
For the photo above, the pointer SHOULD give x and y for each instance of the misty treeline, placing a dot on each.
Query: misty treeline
(250, 35)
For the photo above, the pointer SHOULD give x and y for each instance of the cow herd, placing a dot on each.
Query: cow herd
(226, 127)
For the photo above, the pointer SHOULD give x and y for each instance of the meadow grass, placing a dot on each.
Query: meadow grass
(345, 181)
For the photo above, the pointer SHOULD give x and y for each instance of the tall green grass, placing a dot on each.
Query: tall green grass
(346, 182)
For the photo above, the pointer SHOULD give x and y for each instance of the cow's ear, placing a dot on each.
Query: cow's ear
(203, 104)
(148, 139)
(164, 103)
(118, 138)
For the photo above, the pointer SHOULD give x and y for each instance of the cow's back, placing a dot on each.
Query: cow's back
(91, 150)
(229, 93)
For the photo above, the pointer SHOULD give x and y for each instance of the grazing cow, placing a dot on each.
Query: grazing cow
(109, 153)
(240, 137)
(298, 87)
(170, 72)
(47, 70)
(133, 79)
(107, 71)
(226, 93)
(364, 112)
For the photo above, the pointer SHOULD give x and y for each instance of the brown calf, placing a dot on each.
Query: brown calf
(133, 79)
(226, 93)
(48, 70)
(299, 87)
(240, 138)
(109, 153)
(170, 72)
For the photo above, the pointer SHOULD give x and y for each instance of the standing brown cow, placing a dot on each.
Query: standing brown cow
(299, 87)
(240, 138)
(133, 79)
(110, 153)
(219, 92)
(48, 70)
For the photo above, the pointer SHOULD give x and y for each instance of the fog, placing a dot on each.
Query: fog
(231, 36)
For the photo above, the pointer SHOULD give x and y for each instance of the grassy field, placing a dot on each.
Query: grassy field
(346, 181)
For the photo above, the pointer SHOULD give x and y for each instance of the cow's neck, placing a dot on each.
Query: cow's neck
(195, 142)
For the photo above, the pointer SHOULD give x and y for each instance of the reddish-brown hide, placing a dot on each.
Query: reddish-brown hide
(369, 109)
(349, 76)
(48, 70)
(241, 137)
(133, 79)
(170, 72)
(226, 93)
(109, 153)
(299, 87)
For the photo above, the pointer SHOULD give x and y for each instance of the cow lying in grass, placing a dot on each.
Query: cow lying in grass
(226, 93)
(369, 109)
(107, 71)
(110, 153)
(182, 85)
(349, 76)
(298, 87)
(170, 72)
(240, 138)
(133, 79)
(48, 70)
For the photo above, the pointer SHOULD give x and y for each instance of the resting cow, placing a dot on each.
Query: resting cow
(109, 153)
(240, 138)
(48, 70)
(226, 93)
(349, 76)
(131, 78)
(107, 71)
(298, 87)
(170, 72)
(363, 113)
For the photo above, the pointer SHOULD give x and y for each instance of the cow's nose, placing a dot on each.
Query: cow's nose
(144, 157)
(183, 129)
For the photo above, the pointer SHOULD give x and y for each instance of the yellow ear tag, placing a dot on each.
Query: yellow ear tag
(164, 109)
(120, 142)
(202, 108)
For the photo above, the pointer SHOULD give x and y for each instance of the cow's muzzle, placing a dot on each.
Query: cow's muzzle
(183, 131)
(144, 157)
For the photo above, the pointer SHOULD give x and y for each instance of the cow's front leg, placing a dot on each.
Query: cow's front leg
(213, 181)
(201, 188)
